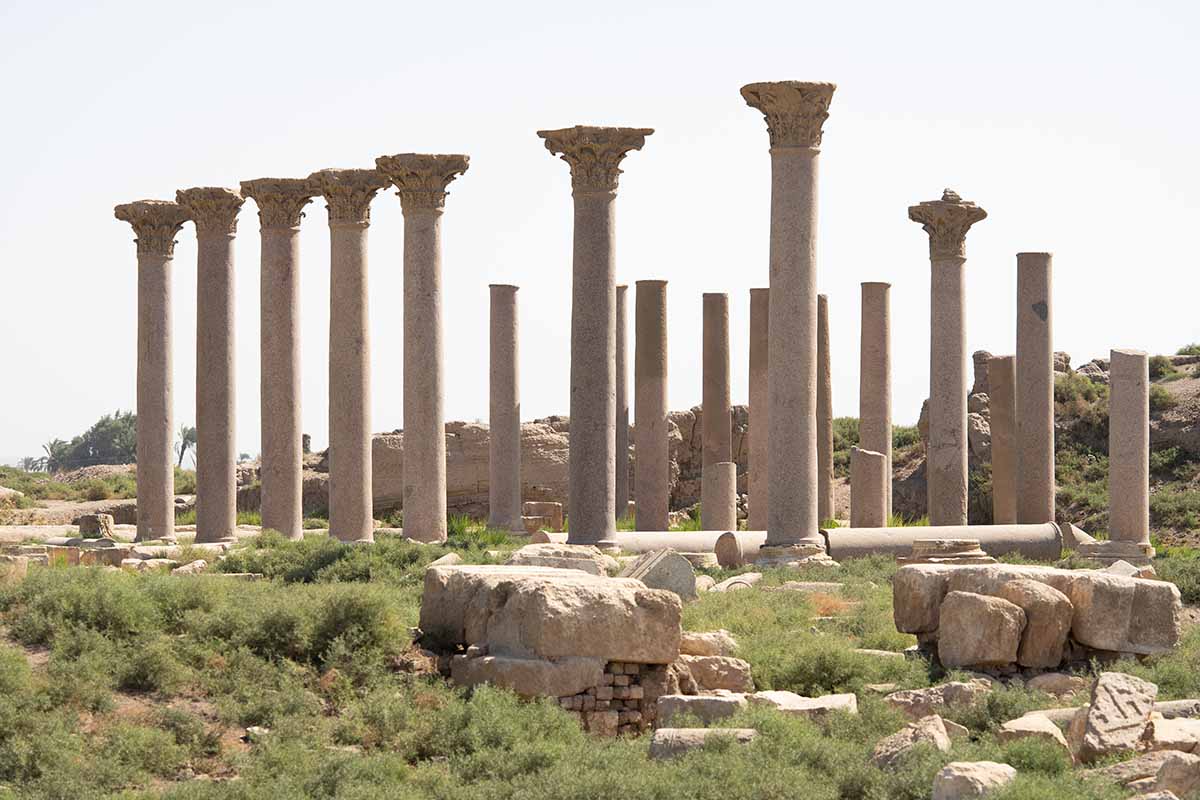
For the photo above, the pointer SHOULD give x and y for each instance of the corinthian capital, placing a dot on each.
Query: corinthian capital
(214, 209)
(947, 222)
(281, 201)
(794, 110)
(420, 179)
(348, 193)
(155, 222)
(594, 154)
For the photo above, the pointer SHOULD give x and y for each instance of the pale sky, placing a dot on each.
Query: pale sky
(1074, 124)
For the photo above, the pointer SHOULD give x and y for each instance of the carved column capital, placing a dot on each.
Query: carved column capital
(155, 222)
(947, 222)
(421, 179)
(213, 209)
(348, 193)
(794, 110)
(594, 153)
(281, 201)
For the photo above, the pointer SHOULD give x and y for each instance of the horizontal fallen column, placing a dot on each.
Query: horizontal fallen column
(1042, 542)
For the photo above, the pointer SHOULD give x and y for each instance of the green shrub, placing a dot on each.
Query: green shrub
(1161, 399)
(905, 436)
(1160, 367)
(1189, 350)
(150, 666)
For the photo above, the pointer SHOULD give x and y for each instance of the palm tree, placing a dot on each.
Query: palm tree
(55, 452)
(187, 441)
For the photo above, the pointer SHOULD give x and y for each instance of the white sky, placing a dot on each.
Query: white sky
(1073, 123)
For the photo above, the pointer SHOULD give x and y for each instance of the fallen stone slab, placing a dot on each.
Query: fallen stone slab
(798, 705)
(927, 730)
(707, 643)
(191, 568)
(1048, 615)
(448, 560)
(1033, 726)
(719, 672)
(707, 708)
(1059, 684)
(672, 742)
(1123, 772)
(664, 569)
(1181, 733)
(1172, 709)
(529, 677)
(1117, 716)
(1179, 773)
(563, 556)
(959, 780)
(919, 703)
(704, 583)
(865, 651)
(744, 581)
(978, 630)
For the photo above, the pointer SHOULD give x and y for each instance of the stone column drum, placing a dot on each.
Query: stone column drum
(947, 221)
(214, 211)
(824, 415)
(868, 488)
(718, 483)
(281, 203)
(594, 155)
(348, 194)
(652, 464)
(1129, 453)
(621, 507)
(716, 438)
(1001, 374)
(759, 433)
(1034, 412)
(504, 420)
(795, 112)
(422, 180)
(875, 376)
(155, 224)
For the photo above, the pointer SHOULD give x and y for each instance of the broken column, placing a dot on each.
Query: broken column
(716, 438)
(214, 211)
(824, 415)
(947, 221)
(652, 472)
(1034, 411)
(155, 224)
(718, 484)
(795, 112)
(875, 376)
(759, 433)
(622, 422)
(504, 420)
(348, 194)
(421, 180)
(1001, 374)
(868, 488)
(594, 155)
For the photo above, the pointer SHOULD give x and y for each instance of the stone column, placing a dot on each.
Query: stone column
(422, 181)
(348, 194)
(504, 421)
(281, 203)
(214, 211)
(594, 155)
(717, 437)
(759, 433)
(155, 223)
(947, 222)
(875, 376)
(1001, 374)
(868, 488)
(718, 484)
(1129, 453)
(1035, 389)
(622, 420)
(824, 414)
(794, 112)
(652, 466)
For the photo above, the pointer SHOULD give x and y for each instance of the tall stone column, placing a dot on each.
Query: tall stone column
(214, 211)
(1002, 392)
(875, 376)
(622, 421)
(716, 438)
(281, 203)
(504, 420)
(947, 222)
(594, 155)
(155, 224)
(422, 181)
(795, 112)
(1035, 389)
(348, 194)
(824, 414)
(759, 433)
(652, 467)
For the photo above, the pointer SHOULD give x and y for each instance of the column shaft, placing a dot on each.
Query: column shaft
(716, 439)
(875, 376)
(622, 402)
(947, 458)
(652, 465)
(1129, 448)
(759, 433)
(824, 414)
(868, 488)
(504, 442)
(1035, 389)
(1001, 375)
(216, 450)
(155, 400)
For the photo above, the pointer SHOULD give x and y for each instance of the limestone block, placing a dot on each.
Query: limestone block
(191, 568)
(448, 560)
(1117, 717)
(664, 569)
(92, 526)
(917, 594)
(602, 723)
(1179, 773)
(1048, 615)
(1033, 726)
(960, 780)
(719, 672)
(563, 556)
(955, 730)
(919, 703)
(1124, 772)
(1059, 684)
(704, 583)
(672, 742)
(707, 708)
(1180, 734)
(928, 730)
(553, 512)
(709, 643)
(529, 677)
(977, 630)
(743, 581)
(798, 705)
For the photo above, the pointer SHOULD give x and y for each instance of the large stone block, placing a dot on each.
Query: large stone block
(1048, 615)
(960, 780)
(664, 569)
(719, 672)
(978, 630)
(529, 677)
(919, 703)
(671, 742)
(1117, 716)
(798, 705)
(927, 730)
(705, 707)
(563, 556)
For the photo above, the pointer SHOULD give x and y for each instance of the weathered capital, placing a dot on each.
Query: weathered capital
(594, 154)
(794, 110)
(348, 193)
(213, 209)
(421, 179)
(281, 201)
(947, 222)
(155, 222)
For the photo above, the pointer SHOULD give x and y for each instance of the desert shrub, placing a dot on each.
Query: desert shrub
(998, 706)
(1175, 507)
(190, 732)
(1189, 350)
(1072, 386)
(1182, 568)
(1160, 367)
(185, 481)
(150, 666)
(904, 436)
(1037, 755)
(1161, 399)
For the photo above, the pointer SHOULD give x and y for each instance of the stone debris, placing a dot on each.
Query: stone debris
(705, 583)
(1048, 615)
(1059, 684)
(719, 673)
(960, 780)
(1125, 772)
(1033, 726)
(919, 703)
(744, 581)
(955, 730)
(1127, 570)
(927, 730)
(563, 556)
(817, 587)
(448, 560)
(1116, 718)
(1179, 773)
(709, 643)
(191, 568)
(708, 708)
(978, 630)
(550, 512)
(946, 551)
(95, 526)
(664, 569)
(672, 742)
(798, 705)
(1180, 734)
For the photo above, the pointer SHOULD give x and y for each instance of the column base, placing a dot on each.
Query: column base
(1110, 552)
(801, 554)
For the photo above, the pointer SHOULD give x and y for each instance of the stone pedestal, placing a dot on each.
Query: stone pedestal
(947, 221)
(214, 211)
(824, 414)
(716, 439)
(622, 422)
(155, 224)
(1034, 384)
(868, 488)
(794, 112)
(875, 376)
(1001, 374)
(759, 433)
(348, 194)
(652, 465)
(594, 155)
(946, 551)
(718, 504)
(504, 421)
(281, 203)
(421, 181)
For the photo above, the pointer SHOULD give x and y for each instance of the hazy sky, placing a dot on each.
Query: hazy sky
(1074, 124)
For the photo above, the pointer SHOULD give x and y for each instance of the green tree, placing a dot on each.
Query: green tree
(187, 441)
(112, 440)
